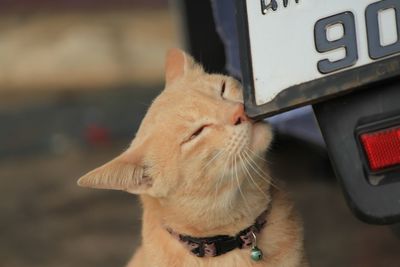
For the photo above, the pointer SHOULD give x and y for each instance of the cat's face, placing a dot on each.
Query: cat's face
(194, 139)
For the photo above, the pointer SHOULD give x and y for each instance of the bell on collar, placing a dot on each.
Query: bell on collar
(256, 254)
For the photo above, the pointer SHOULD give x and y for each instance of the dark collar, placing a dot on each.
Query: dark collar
(221, 244)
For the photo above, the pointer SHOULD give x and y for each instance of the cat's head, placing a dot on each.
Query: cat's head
(194, 138)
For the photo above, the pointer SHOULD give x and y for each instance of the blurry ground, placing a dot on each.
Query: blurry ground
(47, 221)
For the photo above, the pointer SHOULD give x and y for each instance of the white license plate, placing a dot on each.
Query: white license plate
(295, 52)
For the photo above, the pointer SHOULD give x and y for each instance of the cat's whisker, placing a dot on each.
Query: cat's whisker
(267, 178)
(209, 162)
(257, 156)
(240, 190)
(268, 181)
(219, 180)
(212, 159)
(258, 167)
(231, 183)
(271, 179)
(250, 176)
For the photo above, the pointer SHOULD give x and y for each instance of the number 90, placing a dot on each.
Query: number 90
(349, 39)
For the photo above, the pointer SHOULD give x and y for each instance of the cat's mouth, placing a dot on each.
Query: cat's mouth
(254, 121)
(261, 135)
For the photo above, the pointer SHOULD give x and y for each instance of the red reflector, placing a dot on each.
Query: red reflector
(382, 148)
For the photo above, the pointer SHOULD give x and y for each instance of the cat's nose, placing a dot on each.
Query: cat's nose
(239, 115)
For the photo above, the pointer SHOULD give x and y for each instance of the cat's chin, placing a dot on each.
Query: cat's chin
(261, 136)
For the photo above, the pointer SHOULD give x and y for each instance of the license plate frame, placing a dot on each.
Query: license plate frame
(309, 92)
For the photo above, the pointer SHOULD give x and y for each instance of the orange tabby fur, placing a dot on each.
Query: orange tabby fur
(202, 182)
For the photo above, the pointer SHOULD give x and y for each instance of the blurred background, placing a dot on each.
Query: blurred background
(76, 78)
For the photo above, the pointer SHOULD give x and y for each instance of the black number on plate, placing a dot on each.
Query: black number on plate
(376, 50)
(349, 42)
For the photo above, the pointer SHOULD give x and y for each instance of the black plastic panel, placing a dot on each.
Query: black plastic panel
(374, 197)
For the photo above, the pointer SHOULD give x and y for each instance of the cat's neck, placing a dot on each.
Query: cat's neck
(202, 217)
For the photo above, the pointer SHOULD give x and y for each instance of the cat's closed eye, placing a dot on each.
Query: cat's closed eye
(223, 85)
(196, 133)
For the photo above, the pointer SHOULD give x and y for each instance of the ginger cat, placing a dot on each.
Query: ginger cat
(197, 163)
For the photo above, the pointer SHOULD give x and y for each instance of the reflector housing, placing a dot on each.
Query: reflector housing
(382, 148)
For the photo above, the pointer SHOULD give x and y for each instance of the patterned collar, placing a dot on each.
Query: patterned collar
(221, 244)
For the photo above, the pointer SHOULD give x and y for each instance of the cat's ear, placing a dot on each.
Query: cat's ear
(177, 63)
(122, 173)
